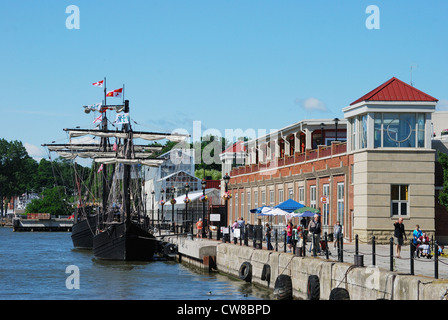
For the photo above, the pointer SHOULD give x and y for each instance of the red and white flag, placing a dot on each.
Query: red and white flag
(98, 84)
(98, 119)
(116, 93)
(100, 168)
(115, 147)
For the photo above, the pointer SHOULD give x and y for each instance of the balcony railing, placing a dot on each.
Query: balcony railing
(336, 148)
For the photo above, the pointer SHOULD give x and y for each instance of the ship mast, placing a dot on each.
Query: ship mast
(127, 169)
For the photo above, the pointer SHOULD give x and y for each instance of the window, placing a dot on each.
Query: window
(242, 205)
(249, 201)
(271, 198)
(399, 130)
(363, 131)
(302, 195)
(255, 199)
(353, 142)
(399, 195)
(263, 198)
(325, 206)
(290, 193)
(280, 196)
(340, 202)
(236, 206)
(313, 196)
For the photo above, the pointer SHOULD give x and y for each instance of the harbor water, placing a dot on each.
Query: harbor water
(45, 266)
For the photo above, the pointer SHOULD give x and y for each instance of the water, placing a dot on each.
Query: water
(33, 266)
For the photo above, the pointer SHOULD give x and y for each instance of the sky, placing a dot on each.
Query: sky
(209, 65)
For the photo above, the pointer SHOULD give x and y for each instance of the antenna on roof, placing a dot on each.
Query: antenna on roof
(412, 84)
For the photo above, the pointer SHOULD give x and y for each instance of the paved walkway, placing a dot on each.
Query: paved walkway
(422, 266)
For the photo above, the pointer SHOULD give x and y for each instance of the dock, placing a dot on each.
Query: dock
(42, 224)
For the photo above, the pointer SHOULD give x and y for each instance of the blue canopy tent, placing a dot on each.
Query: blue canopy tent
(289, 205)
(306, 212)
(258, 210)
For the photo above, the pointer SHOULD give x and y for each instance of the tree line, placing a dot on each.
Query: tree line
(20, 173)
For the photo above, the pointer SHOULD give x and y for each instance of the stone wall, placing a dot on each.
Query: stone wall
(362, 283)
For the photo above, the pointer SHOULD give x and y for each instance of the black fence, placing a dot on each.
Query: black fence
(318, 245)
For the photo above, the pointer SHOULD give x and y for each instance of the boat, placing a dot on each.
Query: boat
(119, 230)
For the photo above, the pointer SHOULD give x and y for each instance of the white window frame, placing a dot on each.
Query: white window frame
(302, 195)
(399, 202)
(340, 202)
(313, 196)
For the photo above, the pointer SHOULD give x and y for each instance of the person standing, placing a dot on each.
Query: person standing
(268, 237)
(399, 234)
(241, 227)
(415, 239)
(315, 228)
(337, 233)
(199, 226)
(289, 235)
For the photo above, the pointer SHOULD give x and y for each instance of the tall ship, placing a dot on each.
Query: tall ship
(117, 228)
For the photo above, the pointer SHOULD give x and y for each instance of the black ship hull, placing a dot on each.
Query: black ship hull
(83, 231)
(118, 243)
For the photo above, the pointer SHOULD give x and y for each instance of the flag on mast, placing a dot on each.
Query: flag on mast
(98, 119)
(98, 84)
(115, 93)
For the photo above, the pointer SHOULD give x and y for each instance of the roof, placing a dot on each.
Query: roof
(236, 147)
(395, 90)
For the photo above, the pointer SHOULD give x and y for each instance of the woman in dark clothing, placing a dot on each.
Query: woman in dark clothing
(399, 233)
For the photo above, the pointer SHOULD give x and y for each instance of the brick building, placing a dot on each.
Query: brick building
(373, 166)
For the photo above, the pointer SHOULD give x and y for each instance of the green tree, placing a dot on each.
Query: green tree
(443, 195)
(54, 201)
(16, 169)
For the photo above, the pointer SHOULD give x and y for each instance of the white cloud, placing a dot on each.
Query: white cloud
(35, 152)
(311, 104)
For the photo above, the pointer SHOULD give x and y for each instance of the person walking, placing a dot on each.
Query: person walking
(399, 234)
(315, 228)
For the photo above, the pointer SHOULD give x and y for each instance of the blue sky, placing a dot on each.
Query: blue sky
(229, 64)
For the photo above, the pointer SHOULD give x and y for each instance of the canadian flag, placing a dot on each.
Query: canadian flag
(98, 84)
(116, 93)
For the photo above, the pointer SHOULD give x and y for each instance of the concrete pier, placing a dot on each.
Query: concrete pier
(361, 282)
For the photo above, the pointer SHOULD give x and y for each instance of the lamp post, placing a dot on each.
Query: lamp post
(153, 200)
(322, 125)
(204, 185)
(173, 202)
(162, 202)
(226, 199)
(336, 120)
(187, 188)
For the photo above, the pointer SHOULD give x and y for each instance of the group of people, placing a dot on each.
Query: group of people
(420, 240)
(296, 235)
